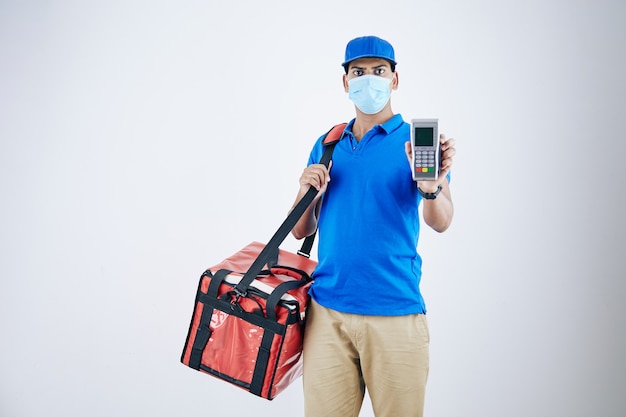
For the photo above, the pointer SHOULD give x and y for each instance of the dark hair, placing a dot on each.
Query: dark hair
(391, 64)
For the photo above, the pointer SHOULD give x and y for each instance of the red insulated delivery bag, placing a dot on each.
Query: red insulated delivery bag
(249, 314)
(254, 342)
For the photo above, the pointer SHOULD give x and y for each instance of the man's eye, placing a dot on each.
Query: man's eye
(358, 73)
(380, 71)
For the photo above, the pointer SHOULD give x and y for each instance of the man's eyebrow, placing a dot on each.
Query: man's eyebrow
(362, 68)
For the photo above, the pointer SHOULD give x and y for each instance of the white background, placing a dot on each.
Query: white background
(143, 141)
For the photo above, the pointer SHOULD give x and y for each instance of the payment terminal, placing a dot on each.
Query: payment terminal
(426, 149)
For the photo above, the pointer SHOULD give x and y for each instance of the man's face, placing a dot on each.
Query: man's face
(374, 66)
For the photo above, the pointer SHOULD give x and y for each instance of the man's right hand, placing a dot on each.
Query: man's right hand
(316, 175)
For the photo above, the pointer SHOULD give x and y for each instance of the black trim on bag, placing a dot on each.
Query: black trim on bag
(225, 377)
(275, 366)
(193, 315)
(262, 359)
(273, 299)
(260, 369)
(253, 318)
(304, 275)
(203, 334)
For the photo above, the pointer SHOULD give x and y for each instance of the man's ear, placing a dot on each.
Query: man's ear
(345, 83)
(396, 80)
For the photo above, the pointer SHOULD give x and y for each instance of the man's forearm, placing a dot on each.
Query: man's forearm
(438, 213)
(307, 224)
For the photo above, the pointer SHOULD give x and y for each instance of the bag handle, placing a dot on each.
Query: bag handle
(270, 250)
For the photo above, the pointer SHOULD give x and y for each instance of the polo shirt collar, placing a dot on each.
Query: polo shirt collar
(389, 126)
(392, 124)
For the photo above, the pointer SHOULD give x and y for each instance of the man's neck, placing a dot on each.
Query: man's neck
(365, 122)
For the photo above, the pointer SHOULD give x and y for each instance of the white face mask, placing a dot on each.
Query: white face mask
(370, 93)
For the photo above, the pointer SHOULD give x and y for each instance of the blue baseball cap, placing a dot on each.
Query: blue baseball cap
(369, 47)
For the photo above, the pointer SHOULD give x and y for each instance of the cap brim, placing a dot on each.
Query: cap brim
(369, 56)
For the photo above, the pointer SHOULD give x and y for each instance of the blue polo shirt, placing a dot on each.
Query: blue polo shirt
(369, 226)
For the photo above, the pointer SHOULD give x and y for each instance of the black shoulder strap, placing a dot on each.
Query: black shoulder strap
(333, 136)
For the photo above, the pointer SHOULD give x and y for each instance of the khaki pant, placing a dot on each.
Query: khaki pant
(345, 353)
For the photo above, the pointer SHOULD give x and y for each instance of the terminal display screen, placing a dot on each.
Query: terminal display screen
(424, 136)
